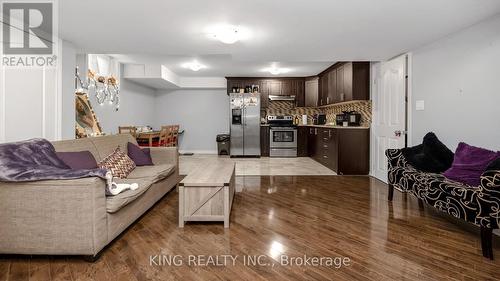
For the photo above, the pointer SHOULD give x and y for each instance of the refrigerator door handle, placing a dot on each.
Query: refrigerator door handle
(244, 115)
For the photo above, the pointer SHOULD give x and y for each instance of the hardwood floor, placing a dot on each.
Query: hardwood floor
(317, 216)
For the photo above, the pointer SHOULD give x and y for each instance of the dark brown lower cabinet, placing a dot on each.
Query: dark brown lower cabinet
(354, 151)
(311, 141)
(264, 141)
(345, 151)
(302, 137)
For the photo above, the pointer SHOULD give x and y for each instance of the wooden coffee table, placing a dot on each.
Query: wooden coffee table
(207, 193)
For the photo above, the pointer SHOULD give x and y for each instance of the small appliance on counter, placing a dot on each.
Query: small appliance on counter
(348, 118)
(319, 119)
(304, 119)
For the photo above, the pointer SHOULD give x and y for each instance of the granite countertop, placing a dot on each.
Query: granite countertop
(335, 126)
(327, 126)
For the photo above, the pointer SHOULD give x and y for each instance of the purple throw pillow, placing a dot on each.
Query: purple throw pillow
(79, 160)
(141, 157)
(469, 163)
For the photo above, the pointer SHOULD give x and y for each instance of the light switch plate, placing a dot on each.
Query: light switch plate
(419, 105)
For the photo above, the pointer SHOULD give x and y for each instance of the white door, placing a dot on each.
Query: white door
(389, 111)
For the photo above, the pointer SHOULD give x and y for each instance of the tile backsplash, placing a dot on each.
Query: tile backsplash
(288, 108)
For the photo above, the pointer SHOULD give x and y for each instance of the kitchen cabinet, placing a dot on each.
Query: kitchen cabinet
(264, 94)
(272, 86)
(287, 87)
(311, 92)
(264, 141)
(354, 151)
(275, 87)
(339, 84)
(332, 87)
(328, 148)
(323, 89)
(300, 98)
(348, 85)
(234, 83)
(311, 142)
(344, 81)
(302, 137)
(345, 151)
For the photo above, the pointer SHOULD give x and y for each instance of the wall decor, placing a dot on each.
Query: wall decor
(87, 124)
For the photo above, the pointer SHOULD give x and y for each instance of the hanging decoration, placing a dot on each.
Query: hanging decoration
(104, 89)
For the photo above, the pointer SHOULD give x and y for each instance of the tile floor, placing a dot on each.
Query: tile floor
(264, 166)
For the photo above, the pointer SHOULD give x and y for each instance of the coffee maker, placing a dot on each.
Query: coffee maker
(348, 118)
(319, 119)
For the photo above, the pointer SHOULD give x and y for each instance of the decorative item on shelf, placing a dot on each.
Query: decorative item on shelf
(105, 89)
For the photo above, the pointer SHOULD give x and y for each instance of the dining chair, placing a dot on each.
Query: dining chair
(175, 135)
(128, 129)
(164, 135)
(172, 135)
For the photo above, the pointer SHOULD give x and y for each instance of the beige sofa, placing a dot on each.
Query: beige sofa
(74, 217)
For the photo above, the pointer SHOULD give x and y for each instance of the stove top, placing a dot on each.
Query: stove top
(280, 120)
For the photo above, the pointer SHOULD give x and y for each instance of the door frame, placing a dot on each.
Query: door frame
(409, 104)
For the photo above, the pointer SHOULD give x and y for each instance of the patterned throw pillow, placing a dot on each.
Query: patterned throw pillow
(118, 163)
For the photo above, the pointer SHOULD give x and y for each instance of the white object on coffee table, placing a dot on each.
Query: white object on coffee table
(207, 193)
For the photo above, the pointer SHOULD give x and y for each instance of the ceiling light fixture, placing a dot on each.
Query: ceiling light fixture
(227, 34)
(274, 70)
(194, 65)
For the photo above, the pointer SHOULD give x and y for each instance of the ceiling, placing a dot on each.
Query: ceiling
(304, 36)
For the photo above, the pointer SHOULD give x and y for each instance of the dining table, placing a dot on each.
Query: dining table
(150, 136)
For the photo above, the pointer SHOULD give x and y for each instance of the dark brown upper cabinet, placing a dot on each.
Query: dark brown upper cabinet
(339, 85)
(287, 87)
(323, 89)
(332, 87)
(344, 81)
(311, 89)
(275, 88)
(264, 93)
(300, 93)
(271, 86)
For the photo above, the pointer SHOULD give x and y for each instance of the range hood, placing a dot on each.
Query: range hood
(281, 98)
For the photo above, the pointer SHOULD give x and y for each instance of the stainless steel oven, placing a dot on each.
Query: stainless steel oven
(283, 142)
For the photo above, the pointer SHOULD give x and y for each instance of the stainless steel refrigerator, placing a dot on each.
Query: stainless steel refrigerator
(245, 124)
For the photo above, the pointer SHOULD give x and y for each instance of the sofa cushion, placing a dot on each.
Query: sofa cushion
(105, 145)
(430, 156)
(115, 203)
(84, 144)
(156, 173)
(118, 163)
(469, 163)
(78, 160)
(140, 156)
(494, 165)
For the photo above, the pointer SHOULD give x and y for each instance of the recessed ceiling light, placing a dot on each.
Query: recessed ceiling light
(274, 70)
(194, 65)
(227, 34)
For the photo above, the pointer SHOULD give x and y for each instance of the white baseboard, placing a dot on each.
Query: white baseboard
(199, 151)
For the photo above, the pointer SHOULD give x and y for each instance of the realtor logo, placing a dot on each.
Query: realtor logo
(27, 28)
(29, 34)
